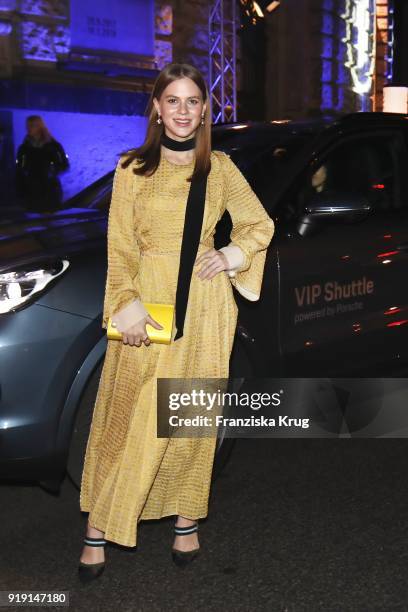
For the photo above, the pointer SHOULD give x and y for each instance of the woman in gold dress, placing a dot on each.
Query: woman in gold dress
(129, 473)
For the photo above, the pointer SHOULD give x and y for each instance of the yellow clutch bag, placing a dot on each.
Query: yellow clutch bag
(162, 313)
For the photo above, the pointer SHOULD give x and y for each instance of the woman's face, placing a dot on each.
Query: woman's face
(34, 129)
(180, 106)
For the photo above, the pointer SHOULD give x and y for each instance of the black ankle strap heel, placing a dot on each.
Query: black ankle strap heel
(90, 571)
(182, 558)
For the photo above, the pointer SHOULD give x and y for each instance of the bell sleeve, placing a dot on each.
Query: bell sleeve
(121, 300)
(251, 233)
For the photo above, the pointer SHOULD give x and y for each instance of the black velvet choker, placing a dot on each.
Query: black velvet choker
(177, 145)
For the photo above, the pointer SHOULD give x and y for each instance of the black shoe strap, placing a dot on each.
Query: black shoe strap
(94, 541)
(185, 530)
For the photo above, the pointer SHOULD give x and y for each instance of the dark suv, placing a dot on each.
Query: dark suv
(333, 303)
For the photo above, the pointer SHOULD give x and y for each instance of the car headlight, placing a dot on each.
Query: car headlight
(20, 285)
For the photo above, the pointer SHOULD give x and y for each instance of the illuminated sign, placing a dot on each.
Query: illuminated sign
(359, 17)
(123, 26)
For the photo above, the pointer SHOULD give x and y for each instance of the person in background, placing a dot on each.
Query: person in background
(40, 158)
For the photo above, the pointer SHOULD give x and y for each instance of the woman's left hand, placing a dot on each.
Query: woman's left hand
(214, 261)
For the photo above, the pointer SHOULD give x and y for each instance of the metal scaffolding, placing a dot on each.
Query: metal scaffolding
(222, 24)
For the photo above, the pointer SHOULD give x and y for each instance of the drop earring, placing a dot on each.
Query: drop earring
(158, 120)
(202, 119)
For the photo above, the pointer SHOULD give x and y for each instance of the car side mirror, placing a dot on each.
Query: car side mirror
(328, 208)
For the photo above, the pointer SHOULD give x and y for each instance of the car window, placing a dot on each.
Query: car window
(366, 166)
(264, 167)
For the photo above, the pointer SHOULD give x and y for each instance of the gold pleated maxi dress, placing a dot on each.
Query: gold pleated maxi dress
(129, 473)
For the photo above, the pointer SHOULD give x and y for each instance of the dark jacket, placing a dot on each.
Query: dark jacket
(38, 166)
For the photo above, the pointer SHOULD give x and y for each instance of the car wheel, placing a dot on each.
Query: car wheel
(82, 424)
(222, 455)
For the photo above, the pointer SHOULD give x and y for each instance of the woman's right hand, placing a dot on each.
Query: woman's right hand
(137, 334)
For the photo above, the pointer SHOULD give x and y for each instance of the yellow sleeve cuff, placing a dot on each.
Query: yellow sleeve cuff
(129, 315)
(235, 258)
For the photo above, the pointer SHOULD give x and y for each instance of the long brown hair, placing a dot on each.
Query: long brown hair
(149, 152)
(45, 135)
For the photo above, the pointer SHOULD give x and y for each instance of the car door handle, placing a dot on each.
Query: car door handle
(403, 246)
